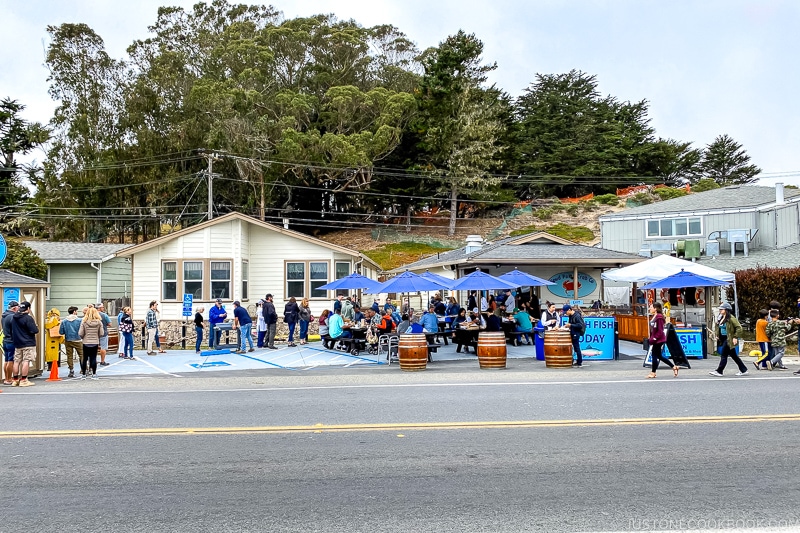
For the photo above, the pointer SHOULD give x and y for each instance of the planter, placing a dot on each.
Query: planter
(413, 352)
(492, 349)
(557, 349)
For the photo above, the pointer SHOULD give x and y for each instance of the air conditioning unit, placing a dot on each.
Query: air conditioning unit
(712, 248)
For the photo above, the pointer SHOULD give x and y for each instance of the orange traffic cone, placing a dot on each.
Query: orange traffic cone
(54, 372)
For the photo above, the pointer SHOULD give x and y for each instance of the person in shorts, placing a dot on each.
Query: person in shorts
(106, 320)
(23, 331)
(8, 342)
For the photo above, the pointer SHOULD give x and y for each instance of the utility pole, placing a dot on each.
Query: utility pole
(211, 158)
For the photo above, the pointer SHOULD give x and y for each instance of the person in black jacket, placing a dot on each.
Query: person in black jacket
(271, 320)
(23, 331)
(576, 327)
(291, 314)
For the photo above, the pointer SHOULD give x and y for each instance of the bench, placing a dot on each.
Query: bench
(350, 344)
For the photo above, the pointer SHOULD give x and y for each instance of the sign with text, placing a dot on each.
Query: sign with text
(187, 304)
(565, 285)
(599, 342)
(3, 249)
(10, 294)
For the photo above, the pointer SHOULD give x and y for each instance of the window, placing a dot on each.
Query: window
(295, 280)
(169, 280)
(342, 271)
(221, 280)
(193, 279)
(675, 227)
(245, 279)
(318, 274)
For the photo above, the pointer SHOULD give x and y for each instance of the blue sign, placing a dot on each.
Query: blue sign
(187, 304)
(576, 302)
(565, 286)
(3, 250)
(10, 294)
(599, 342)
(691, 342)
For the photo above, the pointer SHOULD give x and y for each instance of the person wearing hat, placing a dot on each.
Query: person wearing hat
(261, 324)
(216, 315)
(242, 320)
(576, 327)
(8, 342)
(23, 331)
(69, 328)
(271, 319)
(199, 326)
(728, 331)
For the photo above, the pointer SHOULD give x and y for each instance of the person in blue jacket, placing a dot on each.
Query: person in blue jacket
(216, 315)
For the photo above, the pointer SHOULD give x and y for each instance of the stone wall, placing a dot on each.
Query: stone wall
(172, 330)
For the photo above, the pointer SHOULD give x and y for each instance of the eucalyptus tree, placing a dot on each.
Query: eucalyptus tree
(17, 137)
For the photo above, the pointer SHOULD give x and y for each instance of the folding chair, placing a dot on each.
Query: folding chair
(388, 345)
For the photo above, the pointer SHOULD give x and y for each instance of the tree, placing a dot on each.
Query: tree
(17, 137)
(460, 120)
(726, 162)
(24, 260)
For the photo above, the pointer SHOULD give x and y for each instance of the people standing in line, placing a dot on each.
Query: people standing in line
(126, 330)
(776, 332)
(550, 317)
(576, 327)
(72, 340)
(306, 317)
(90, 331)
(323, 323)
(242, 320)
(216, 315)
(657, 340)
(8, 342)
(151, 325)
(271, 320)
(199, 325)
(23, 333)
(106, 320)
(762, 340)
(158, 333)
(728, 331)
(53, 338)
(261, 324)
(121, 342)
(291, 313)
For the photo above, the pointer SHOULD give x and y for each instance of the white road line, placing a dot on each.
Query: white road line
(151, 365)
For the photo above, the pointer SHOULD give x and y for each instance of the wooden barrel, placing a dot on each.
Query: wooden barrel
(492, 349)
(557, 349)
(413, 352)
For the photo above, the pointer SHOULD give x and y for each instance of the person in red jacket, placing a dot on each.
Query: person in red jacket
(657, 340)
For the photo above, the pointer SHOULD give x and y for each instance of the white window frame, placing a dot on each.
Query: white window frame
(342, 292)
(672, 221)
(212, 280)
(201, 281)
(287, 294)
(245, 279)
(173, 281)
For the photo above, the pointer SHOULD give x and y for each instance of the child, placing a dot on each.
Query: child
(776, 331)
(762, 340)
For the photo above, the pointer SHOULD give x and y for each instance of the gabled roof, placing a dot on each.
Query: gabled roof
(250, 220)
(75, 252)
(534, 248)
(734, 198)
(8, 278)
(788, 257)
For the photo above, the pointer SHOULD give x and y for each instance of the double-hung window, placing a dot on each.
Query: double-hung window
(295, 280)
(221, 280)
(169, 280)
(245, 279)
(193, 279)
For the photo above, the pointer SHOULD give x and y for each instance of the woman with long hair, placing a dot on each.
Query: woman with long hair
(90, 331)
(729, 331)
(126, 328)
(199, 325)
(323, 323)
(657, 340)
(305, 318)
(291, 313)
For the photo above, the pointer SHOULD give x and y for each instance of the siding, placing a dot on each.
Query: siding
(788, 226)
(116, 276)
(147, 284)
(72, 284)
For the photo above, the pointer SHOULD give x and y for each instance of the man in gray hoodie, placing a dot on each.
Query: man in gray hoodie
(69, 328)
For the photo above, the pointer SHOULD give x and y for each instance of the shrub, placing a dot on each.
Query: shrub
(607, 199)
(642, 198)
(705, 185)
(572, 210)
(668, 193)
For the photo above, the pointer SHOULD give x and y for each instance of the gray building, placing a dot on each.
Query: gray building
(742, 219)
(83, 273)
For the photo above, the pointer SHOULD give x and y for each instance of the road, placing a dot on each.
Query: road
(449, 450)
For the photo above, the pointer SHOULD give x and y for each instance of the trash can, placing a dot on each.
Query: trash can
(538, 341)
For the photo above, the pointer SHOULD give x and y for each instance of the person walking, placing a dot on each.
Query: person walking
(762, 340)
(271, 320)
(657, 340)
(151, 325)
(291, 313)
(90, 331)
(23, 332)
(576, 327)
(199, 325)
(216, 315)
(776, 332)
(8, 342)
(728, 331)
(126, 330)
(306, 317)
(243, 321)
(106, 320)
(72, 341)
(53, 339)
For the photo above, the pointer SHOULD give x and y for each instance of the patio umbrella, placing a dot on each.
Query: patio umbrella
(480, 281)
(523, 279)
(436, 277)
(353, 281)
(409, 282)
(685, 279)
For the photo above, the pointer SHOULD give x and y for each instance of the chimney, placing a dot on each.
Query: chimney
(473, 243)
(779, 198)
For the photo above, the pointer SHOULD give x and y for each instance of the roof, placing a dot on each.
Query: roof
(8, 278)
(539, 248)
(788, 257)
(251, 220)
(726, 199)
(75, 252)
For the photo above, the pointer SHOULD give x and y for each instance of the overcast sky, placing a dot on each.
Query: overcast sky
(707, 67)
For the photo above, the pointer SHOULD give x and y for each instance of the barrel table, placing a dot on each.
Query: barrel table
(492, 349)
(557, 349)
(412, 352)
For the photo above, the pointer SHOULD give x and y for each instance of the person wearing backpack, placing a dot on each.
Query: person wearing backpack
(576, 327)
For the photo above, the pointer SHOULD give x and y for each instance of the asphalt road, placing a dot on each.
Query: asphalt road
(450, 450)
